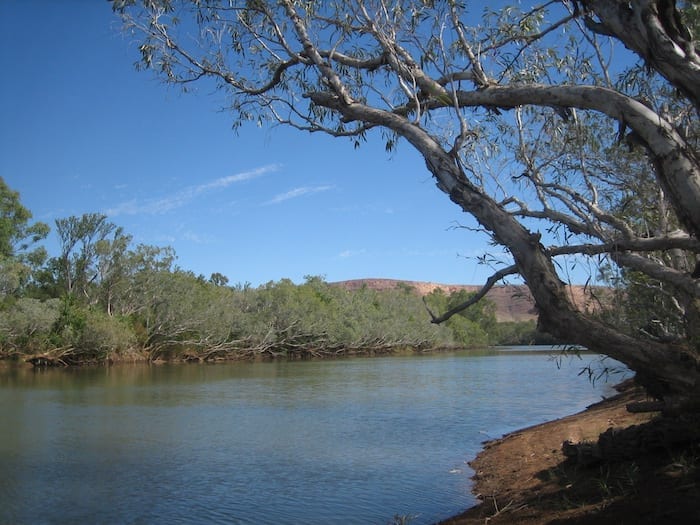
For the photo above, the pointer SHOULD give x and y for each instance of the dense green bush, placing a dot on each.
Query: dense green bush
(521, 333)
(26, 324)
(175, 314)
(103, 336)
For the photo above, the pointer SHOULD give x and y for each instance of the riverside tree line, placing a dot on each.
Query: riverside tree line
(103, 298)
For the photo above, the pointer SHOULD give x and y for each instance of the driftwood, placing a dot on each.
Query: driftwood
(45, 361)
(64, 356)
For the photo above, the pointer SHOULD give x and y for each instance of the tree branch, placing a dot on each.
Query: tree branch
(655, 33)
(680, 280)
(500, 274)
(650, 244)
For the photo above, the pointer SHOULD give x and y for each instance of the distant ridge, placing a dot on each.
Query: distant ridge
(513, 302)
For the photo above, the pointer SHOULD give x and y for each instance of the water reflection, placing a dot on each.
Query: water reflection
(348, 441)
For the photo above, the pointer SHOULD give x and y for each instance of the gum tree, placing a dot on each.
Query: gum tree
(543, 124)
(19, 255)
(83, 243)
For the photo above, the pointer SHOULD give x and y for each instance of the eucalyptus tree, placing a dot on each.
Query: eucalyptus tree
(218, 279)
(19, 253)
(140, 270)
(522, 116)
(112, 265)
(82, 239)
(182, 312)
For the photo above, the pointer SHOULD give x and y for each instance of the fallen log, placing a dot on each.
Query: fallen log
(45, 361)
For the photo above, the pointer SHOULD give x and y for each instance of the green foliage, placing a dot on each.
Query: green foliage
(316, 314)
(84, 242)
(26, 324)
(645, 306)
(522, 333)
(103, 336)
(18, 255)
(474, 326)
(68, 327)
(13, 274)
(16, 233)
(84, 333)
(218, 279)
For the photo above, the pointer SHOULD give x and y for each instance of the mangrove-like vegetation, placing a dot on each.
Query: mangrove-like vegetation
(102, 298)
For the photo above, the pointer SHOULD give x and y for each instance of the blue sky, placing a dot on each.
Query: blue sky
(82, 131)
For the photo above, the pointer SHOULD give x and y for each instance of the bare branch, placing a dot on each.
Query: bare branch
(311, 51)
(681, 280)
(654, 31)
(650, 244)
(500, 274)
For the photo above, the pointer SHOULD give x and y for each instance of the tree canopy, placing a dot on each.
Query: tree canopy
(19, 252)
(568, 130)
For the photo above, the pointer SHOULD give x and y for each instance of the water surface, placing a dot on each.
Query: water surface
(347, 441)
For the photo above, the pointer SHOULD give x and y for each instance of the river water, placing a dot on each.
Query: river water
(316, 442)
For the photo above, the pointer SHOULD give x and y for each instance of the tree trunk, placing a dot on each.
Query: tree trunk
(669, 372)
(652, 29)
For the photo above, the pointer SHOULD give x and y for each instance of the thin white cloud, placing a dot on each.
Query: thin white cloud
(366, 209)
(345, 254)
(223, 182)
(184, 196)
(297, 192)
(125, 208)
(197, 238)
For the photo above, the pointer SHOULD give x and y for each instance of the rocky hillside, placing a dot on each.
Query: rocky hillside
(513, 302)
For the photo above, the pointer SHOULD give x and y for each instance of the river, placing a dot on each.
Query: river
(357, 440)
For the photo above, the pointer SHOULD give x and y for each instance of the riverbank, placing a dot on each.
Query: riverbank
(67, 357)
(524, 478)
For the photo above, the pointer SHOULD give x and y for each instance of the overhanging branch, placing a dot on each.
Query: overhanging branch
(649, 244)
(681, 280)
(500, 274)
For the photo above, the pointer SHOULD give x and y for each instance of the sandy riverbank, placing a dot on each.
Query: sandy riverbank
(523, 478)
